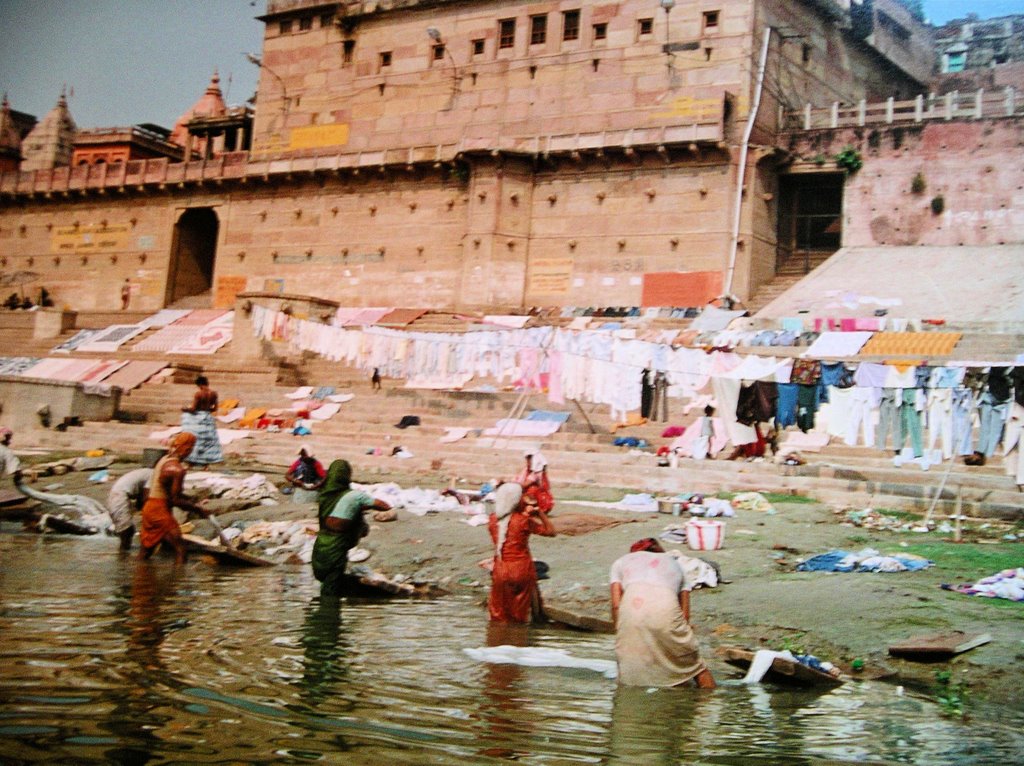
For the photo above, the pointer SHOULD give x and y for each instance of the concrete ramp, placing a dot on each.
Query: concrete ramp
(959, 284)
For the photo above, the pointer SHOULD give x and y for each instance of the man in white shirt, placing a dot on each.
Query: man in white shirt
(9, 463)
(127, 496)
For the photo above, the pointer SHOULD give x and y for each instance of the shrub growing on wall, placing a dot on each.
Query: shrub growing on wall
(849, 159)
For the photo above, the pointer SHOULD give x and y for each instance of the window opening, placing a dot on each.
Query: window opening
(438, 52)
(570, 25)
(645, 26)
(385, 59)
(285, 27)
(326, 19)
(600, 31)
(305, 23)
(348, 48)
(805, 53)
(478, 47)
(506, 33)
(538, 29)
(710, 21)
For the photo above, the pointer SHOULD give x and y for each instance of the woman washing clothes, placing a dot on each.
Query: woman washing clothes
(515, 596)
(342, 526)
(306, 476)
(654, 643)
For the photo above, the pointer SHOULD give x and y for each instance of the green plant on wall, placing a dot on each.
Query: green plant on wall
(938, 204)
(918, 185)
(849, 159)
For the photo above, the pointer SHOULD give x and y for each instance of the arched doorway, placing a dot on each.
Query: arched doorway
(193, 251)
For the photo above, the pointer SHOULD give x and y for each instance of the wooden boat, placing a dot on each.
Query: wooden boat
(224, 554)
(781, 671)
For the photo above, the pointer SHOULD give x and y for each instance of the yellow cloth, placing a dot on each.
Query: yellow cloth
(633, 419)
(911, 344)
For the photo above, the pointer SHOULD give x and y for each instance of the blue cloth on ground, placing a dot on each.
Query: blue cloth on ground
(548, 415)
(867, 560)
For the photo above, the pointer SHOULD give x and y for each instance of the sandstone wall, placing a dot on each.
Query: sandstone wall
(973, 182)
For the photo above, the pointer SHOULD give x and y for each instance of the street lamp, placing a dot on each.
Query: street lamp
(258, 61)
(668, 5)
(435, 34)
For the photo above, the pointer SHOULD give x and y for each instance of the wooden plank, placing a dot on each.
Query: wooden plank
(579, 621)
(11, 497)
(223, 554)
(938, 645)
(782, 670)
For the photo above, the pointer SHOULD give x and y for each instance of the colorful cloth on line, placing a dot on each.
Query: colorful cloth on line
(1008, 584)
(867, 560)
(924, 344)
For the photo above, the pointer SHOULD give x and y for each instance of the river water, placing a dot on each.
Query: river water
(107, 661)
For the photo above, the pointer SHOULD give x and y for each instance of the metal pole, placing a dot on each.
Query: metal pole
(751, 117)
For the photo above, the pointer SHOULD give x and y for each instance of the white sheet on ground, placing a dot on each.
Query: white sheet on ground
(536, 657)
(513, 427)
(325, 411)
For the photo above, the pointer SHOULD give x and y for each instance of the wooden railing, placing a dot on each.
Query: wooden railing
(950, 106)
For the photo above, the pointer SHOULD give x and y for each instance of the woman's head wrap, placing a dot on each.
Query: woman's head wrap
(506, 499)
(337, 483)
(646, 544)
(183, 441)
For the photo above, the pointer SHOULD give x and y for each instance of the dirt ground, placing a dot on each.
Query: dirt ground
(765, 602)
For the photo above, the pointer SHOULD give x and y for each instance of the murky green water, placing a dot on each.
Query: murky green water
(104, 661)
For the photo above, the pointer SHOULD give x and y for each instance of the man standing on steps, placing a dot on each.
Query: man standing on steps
(126, 294)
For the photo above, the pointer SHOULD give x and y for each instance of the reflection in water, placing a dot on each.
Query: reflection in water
(325, 662)
(502, 709)
(662, 725)
(120, 664)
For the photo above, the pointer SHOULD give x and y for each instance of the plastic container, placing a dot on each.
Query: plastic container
(705, 534)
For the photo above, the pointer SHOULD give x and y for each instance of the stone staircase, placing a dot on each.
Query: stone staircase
(581, 454)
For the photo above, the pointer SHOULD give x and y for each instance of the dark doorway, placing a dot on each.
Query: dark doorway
(810, 220)
(192, 254)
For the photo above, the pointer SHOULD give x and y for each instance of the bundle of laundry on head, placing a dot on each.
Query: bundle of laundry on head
(866, 560)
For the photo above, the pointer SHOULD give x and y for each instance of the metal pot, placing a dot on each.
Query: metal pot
(670, 505)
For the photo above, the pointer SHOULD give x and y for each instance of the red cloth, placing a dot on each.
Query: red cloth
(538, 483)
(513, 578)
(317, 466)
(158, 523)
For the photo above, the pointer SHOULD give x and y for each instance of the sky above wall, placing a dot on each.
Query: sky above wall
(125, 62)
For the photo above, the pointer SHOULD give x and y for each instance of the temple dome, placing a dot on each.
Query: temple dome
(210, 104)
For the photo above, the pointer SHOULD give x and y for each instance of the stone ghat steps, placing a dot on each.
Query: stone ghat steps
(435, 463)
(371, 417)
